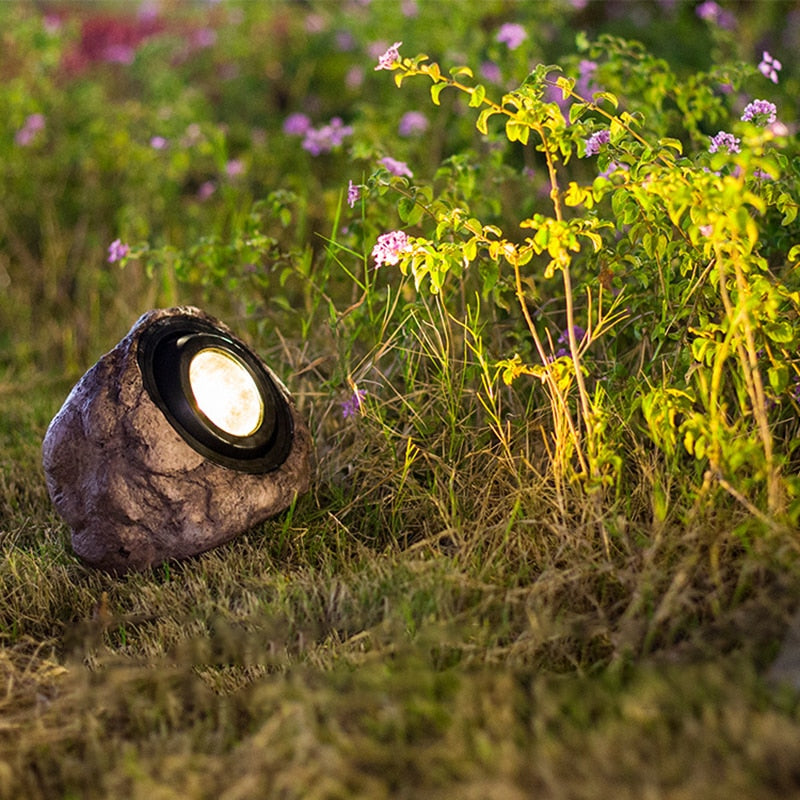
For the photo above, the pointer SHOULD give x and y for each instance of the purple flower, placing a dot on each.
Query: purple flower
(234, 168)
(612, 168)
(52, 24)
(205, 190)
(712, 12)
(119, 54)
(491, 72)
(390, 57)
(769, 67)
(708, 11)
(32, 125)
(353, 193)
(596, 141)
(352, 405)
(345, 41)
(586, 72)
(395, 167)
(563, 339)
(762, 112)
(354, 77)
(297, 124)
(35, 122)
(158, 143)
(205, 37)
(390, 247)
(578, 331)
(511, 35)
(117, 251)
(412, 123)
(724, 141)
(552, 94)
(326, 138)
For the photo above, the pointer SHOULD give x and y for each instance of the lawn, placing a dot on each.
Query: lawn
(529, 272)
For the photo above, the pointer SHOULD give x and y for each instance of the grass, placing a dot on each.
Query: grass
(452, 611)
(431, 621)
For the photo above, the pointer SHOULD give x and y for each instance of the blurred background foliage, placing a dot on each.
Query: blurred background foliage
(445, 591)
(163, 123)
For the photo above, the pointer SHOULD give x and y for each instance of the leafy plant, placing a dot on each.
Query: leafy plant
(664, 247)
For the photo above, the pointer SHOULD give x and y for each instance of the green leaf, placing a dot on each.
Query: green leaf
(780, 332)
(617, 130)
(477, 95)
(456, 71)
(575, 112)
(673, 143)
(434, 72)
(778, 378)
(409, 210)
(566, 85)
(574, 195)
(470, 250)
(489, 272)
(517, 131)
(788, 206)
(611, 98)
(594, 238)
(481, 123)
(436, 90)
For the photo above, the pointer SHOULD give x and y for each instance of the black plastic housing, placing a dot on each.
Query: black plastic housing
(165, 351)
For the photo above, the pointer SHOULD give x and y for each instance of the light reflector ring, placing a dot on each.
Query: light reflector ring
(166, 352)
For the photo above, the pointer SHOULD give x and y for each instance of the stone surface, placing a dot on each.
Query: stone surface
(132, 490)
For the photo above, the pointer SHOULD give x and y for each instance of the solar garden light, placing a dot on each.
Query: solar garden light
(176, 441)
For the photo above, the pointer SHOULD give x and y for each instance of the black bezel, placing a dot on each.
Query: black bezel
(164, 353)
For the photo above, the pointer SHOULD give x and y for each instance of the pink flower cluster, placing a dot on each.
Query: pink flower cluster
(769, 67)
(715, 14)
(595, 142)
(353, 404)
(395, 167)
(32, 125)
(512, 35)
(412, 123)
(724, 141)
(117, 250)
(390, 57)
(390, 247)
(761, 112)
(353, 194)
(317, 140)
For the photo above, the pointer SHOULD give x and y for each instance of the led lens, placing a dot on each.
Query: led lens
(225, 392)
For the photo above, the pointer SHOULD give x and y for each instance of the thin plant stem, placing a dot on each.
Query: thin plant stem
(568, 301)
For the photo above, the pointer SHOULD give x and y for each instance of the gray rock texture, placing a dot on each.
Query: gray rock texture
(132, 490)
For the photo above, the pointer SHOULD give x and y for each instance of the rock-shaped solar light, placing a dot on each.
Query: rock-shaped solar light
(176, 441)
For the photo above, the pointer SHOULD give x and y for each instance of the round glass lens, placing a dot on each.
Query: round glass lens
(226, 392)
